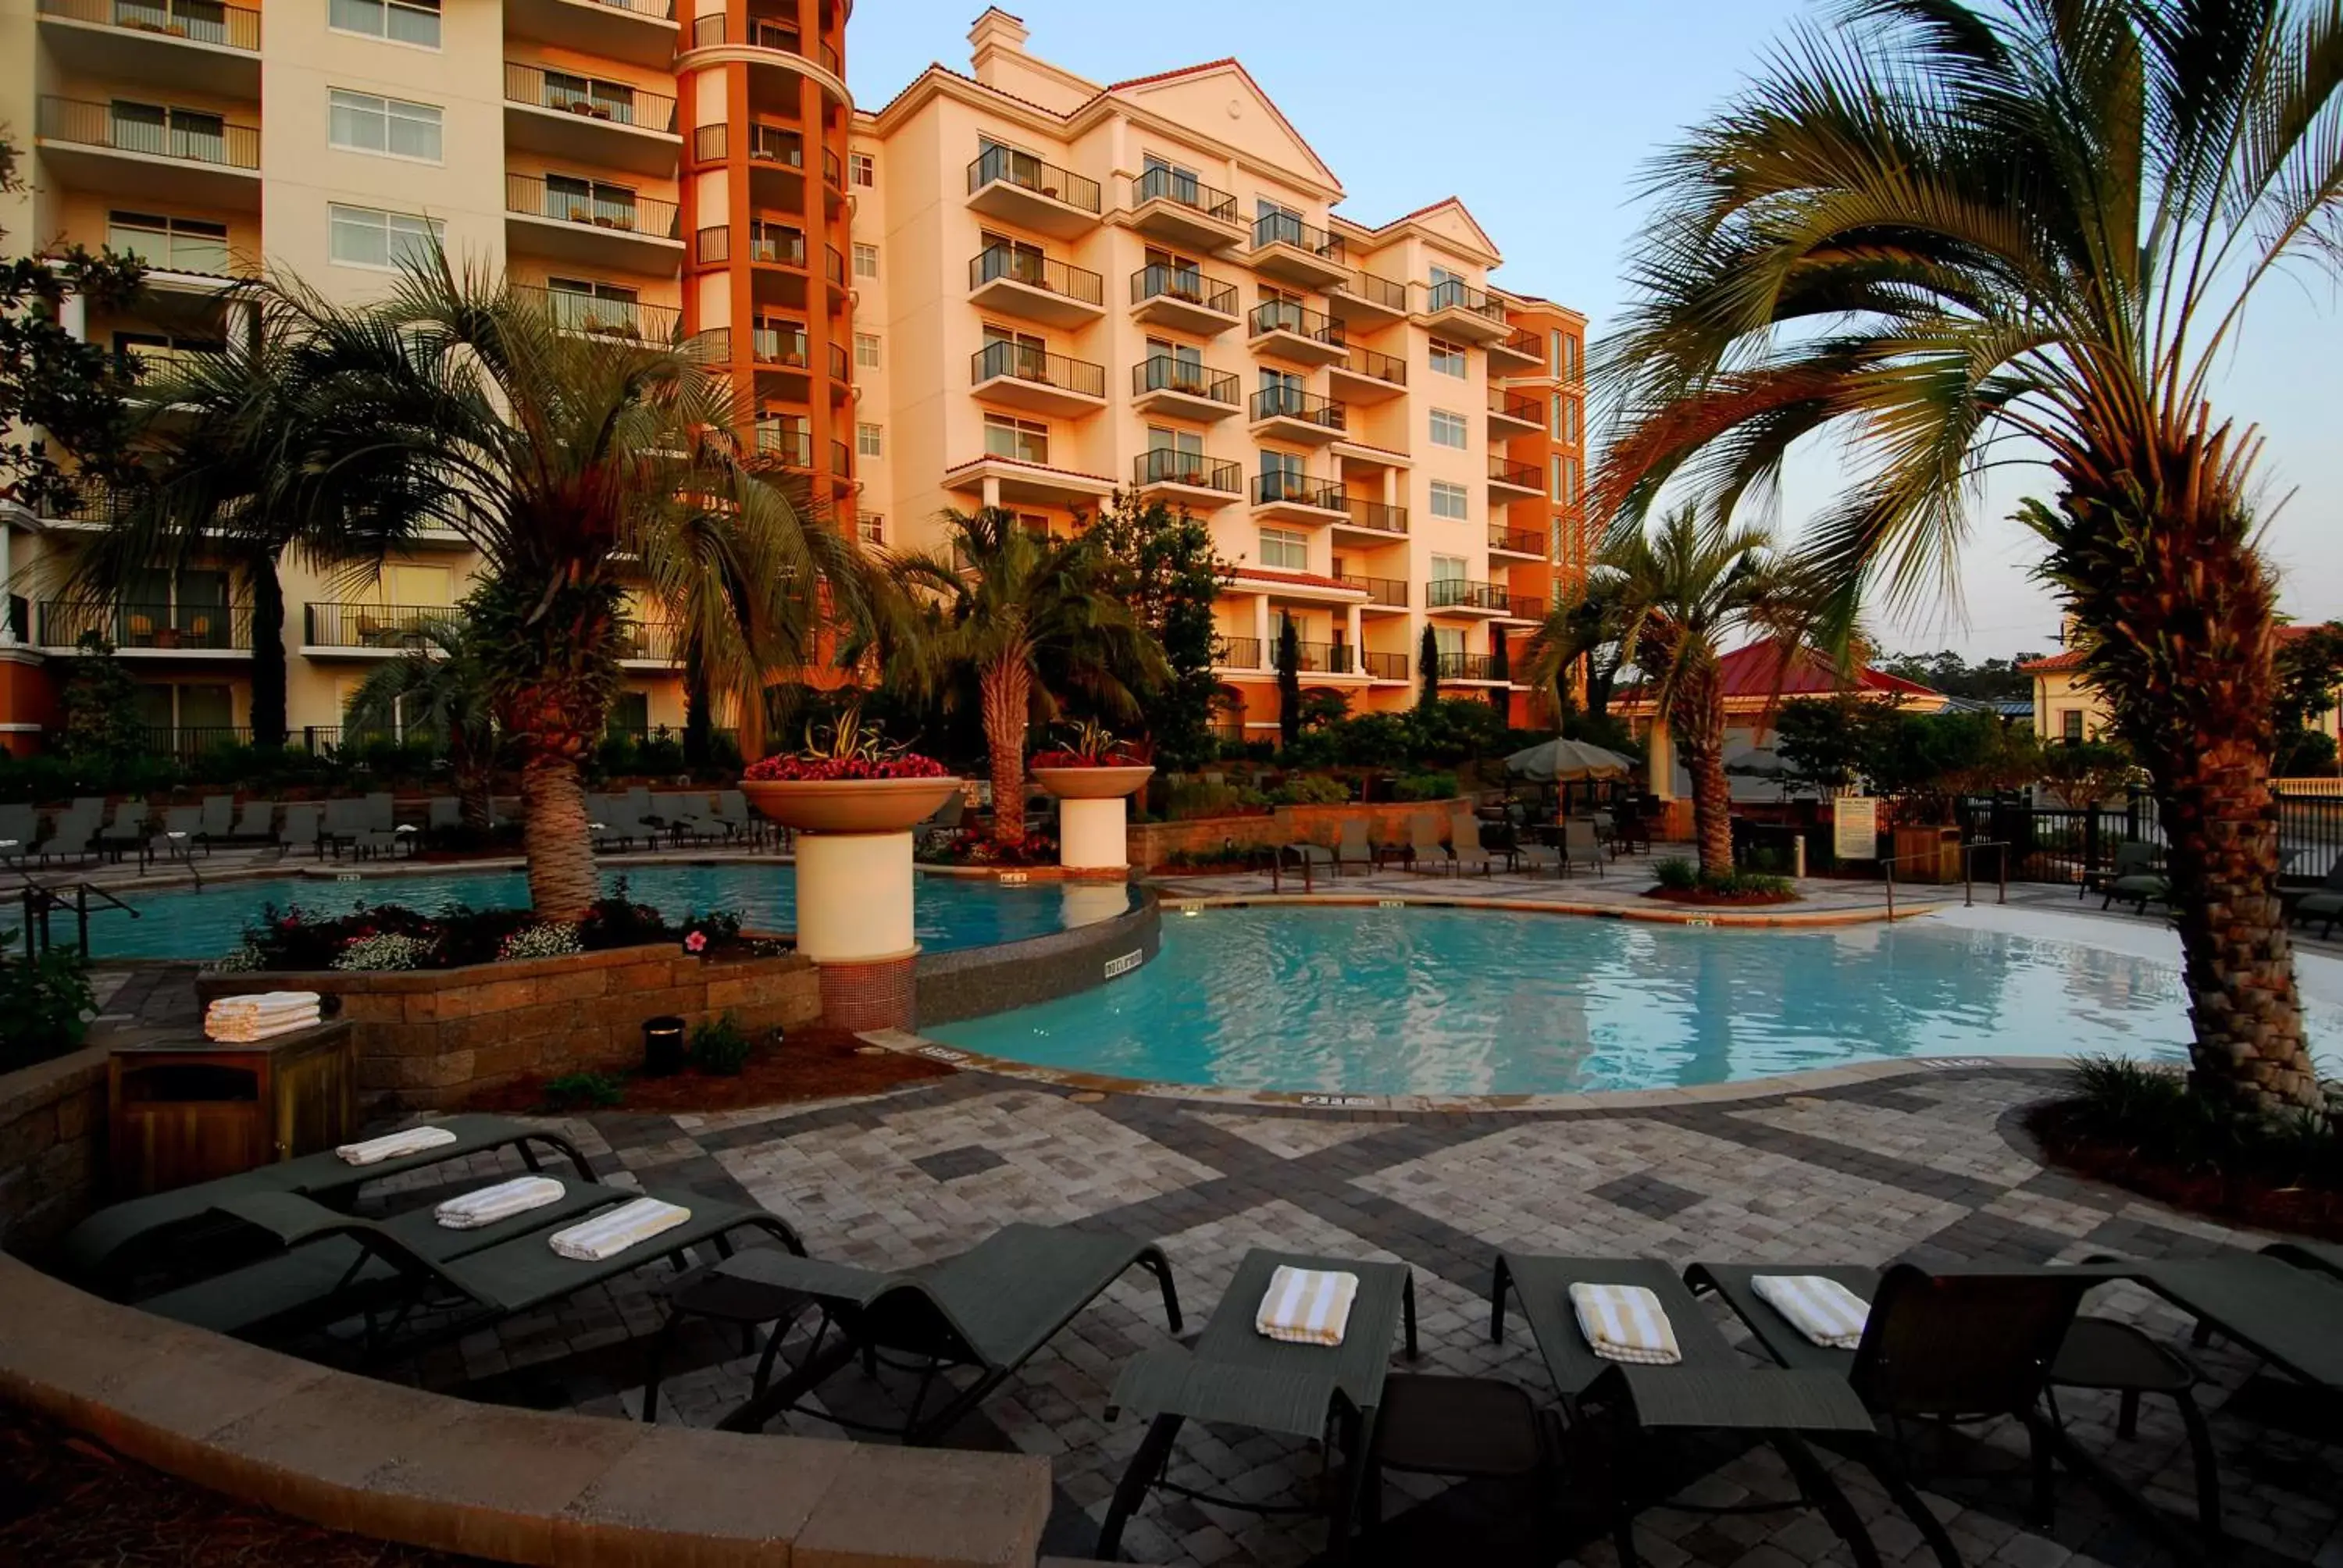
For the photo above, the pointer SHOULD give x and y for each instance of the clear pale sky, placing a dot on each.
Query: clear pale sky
(1541, 116)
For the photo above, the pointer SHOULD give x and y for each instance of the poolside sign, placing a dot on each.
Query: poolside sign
(1854, 828)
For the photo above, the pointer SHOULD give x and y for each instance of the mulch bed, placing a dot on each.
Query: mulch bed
(67, 1501)
(1703, 899)
(2243, 1200)
(813, 1064)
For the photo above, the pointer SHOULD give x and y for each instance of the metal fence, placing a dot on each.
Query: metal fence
(2060, 844)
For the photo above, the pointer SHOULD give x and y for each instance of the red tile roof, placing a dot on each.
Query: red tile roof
(1299, 579)
(1764, 671)
(2070, 660)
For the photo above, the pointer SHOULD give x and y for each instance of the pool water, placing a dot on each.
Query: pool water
(947, 911)
(1446, 1001)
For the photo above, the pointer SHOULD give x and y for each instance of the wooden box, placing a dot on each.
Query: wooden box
(187, 1110)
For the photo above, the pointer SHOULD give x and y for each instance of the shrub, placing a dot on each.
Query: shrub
(2148, 1111)
(1425, 785)
(242, 959)
(1309, 790)
(1197, 798)
(384, 950)
(719, 1047)
(548, 940)
(47, 1004)
(584, 1092)
(1677, 875)
(1748, 885)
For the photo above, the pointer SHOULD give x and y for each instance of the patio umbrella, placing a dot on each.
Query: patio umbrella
(1559, 761)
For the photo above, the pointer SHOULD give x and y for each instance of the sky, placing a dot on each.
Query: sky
(1542, 117)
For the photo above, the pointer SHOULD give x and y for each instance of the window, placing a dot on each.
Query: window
(866, 350)
(1448, 568)
(1564, 480)
(1020, 260)
(580, 200)
(862, 169)
(569, 91)
(174, 132)
(1162, 177)
(2070, 726)
(1447, 429)
(1566, 418)
(399, 21)
(582, 305)
(1450, 501)
(1565, 355)
(367, 236)
(866, 261)
(174, 244)
(869, 441)
(1449, 641)
(630, 714)
(1026, 440)
(1447, 359)
(363, 123)
(1286, 465)
(1285, 550)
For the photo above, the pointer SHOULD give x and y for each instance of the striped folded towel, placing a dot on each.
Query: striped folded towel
(1625, 1324)
(1307, 1306)
(487, 1205)
(1823, 1310)
(395, 1145)
(607, 1235)
(263, 1003)
(254, 1033)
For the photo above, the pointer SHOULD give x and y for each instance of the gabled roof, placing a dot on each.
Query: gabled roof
(1137, 89)
(1767, 672)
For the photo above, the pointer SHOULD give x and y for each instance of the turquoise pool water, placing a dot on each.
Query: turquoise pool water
(1451, 1002)
(948, 911)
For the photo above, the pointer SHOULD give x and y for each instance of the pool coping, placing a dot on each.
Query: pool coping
(1657, 914)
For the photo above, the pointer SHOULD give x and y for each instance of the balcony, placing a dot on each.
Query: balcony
(1296, 498)
(1295, 333)
(1383, 593)
(1473, 668)
(1385, 666)
(1236, 653)
(604, 227)
(1359, 298)
(602, 124)
(1516, 352)
(1184, 300)
(1374, 524)
(784, 441)
(1181, 210)
(996, 481)
(1290, 414)
(1020, 188)
(1458, 596)
(1020, 377)
(182, 630)
(647, 645)
(1525, 609)
(183, 43)
(605, 318)
(1189, 478)
(1326, 659)
(1033, 288)
(1511, 414)
(1527, 544)
(1161, 383)
(765, 43)
(1512, 481)
(1285, 247)
(372, 630)
(153, 155)
(639, 31)
(1457, 310)
(777, 346)
(1365, 375)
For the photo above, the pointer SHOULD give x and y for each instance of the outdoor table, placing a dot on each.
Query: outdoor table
(1240, 1376)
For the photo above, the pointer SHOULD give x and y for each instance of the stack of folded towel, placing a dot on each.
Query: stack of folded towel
(395, 1145)
(262, 1015)
(1823, 1310)
(502, 1202)
(1307, 1306)
(607, 1235)
(1625, 1324)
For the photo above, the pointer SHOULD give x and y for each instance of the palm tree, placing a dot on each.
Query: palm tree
(440, 688)
(1679, 592)
(1032, 621)
(1577, 639)
(1968, 232)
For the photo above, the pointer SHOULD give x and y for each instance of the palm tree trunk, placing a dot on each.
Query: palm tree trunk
(555, 838)
(1698, 723)
(475, 785)
(1005, 690)
(267, 650)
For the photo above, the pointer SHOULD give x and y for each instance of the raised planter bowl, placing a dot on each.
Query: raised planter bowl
(1093, 783)
(849, 805)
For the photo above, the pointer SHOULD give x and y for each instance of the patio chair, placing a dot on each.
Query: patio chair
(944, 821)
(2133, 858)
(1354, 848)
(1530, 853)
(301, 827)
(442, 815)
(19, 826)
(1630, 832)
(732, 809)
(1465, 846)
(2288, 1314)
(256, 824)
(2327, 903)
(2324, 1256)
(218, 822)
(177, 838)
(990, 1309)
(1580, 847)
(1423, 843)
(1311, 858)
(126, 831)
(69, 838)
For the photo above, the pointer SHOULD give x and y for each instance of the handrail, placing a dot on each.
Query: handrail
(358, 624)
(1378, 365)
(1511, 473)
(1018, 362)
(128, 624)
(1523, 341)
(98, 125)
(1163, 466)
(997, 164)
(592, 313)
(1390, 592)
(1385, 666)
(1380, 516)
(997, 262)
(618, 103)
(531, 197)
(1284, 316)
(1455, 293)
(1279, 485)
(1182, 190)
(1367, 286)
(1520, 541)
(237, 26)
(40, 898)
(1237, 652)
(1186, 284)
(1294, 403)
(777, 244)
(1515, 406)
(1283, 228)
(1461, 593)
(1163, 373)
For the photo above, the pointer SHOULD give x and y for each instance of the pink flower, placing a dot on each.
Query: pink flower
(697, 942)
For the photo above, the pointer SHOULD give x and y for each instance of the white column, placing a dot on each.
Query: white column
(1261, 628)
(1090, 834)
(1659, 748)
(73, 314)
(1391, 487)
(854, 897)
(991, 498)
(1356, 640)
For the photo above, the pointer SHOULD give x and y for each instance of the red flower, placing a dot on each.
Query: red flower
(909, 765)
(697, 942)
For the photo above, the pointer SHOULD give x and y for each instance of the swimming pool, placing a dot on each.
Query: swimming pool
(948, 912)
(1454, 1002)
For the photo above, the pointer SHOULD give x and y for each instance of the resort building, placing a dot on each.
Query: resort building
(2067, 707)
(1012, 287)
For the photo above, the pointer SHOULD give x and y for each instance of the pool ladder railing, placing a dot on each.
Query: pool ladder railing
(42, 899)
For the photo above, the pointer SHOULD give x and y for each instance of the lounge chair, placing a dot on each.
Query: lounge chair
(180, 833)
(218, 823)
(2324, 1256)
(301, 829)
(1423, 843)
(732, 809)
(256, 824)
(2288, 1314)
(1529, 854)
(943, 823)
(1712, 1389)
(1580, 847)
(1354, 848)
(1309, 857)
(442, 815)
(126, 831)
(989, 1308)
(1631, 834)
(69, 838)
(2133, 858)
(2327, 903)
(2136, 880)
(344, 821)
(1465, 846)
(19, 826)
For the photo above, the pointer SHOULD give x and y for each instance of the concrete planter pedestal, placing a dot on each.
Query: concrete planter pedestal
(1093, 813)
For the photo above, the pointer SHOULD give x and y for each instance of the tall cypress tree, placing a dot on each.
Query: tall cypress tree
(1501, 669)
(1427, 658)
(1289, 684)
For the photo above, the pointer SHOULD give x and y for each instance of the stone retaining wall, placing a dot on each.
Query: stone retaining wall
(432, 1040)
(52, 1146)
(1152, 844)
(972, 982)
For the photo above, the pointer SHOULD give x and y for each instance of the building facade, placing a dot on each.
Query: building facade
(1011, 288)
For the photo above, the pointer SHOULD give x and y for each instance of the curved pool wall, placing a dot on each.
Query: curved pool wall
(1107, 936)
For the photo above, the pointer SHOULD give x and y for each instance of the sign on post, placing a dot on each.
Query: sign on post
(1854, 828)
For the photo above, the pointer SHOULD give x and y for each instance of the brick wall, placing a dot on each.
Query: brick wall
(52, 1146)
(1154, 843)
(433, 1038)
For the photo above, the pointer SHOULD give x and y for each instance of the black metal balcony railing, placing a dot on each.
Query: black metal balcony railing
(1284, 316)
(1387, 591)
(1237, 652)
(602, 317)
(710, 144)
(833, 265)
(1018, 362)
(1382, 517)
(1515, 406)
(192, 138)
(1294, 403)
(657, 10)
(1465, 667)
(787, 443)
(1297, 489)
(1182, 283)
(1507, 472)
(1456, 593)
(140, 361)
(198, 21)
(840, 367)
(776, 145)
(203, 627)
(782, 345)
(1455, 293)
(1284, 229)
(841, 460)
(1326, 659)
(995, 262)
(712, 245)
(1162, 373)
(1001, 165)
(614, 102)
(777, 245)
(1522, 341)
(1385, 666)
(1381, 366)
(1367, 286)
(1526, 609)
(186, 742)
(392, 627)
(710, 31)
(1183, 190)
(1520, 541)
(648, 642)
(1164, 466)
(833, 169)
(602, 207)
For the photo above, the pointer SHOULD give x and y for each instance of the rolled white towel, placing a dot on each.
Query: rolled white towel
(1625, 1324)
(487, 1205)
(607, 1235)
(1823, 1310)
(395, 1145)
(1307, 1306)
(266, 1001)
